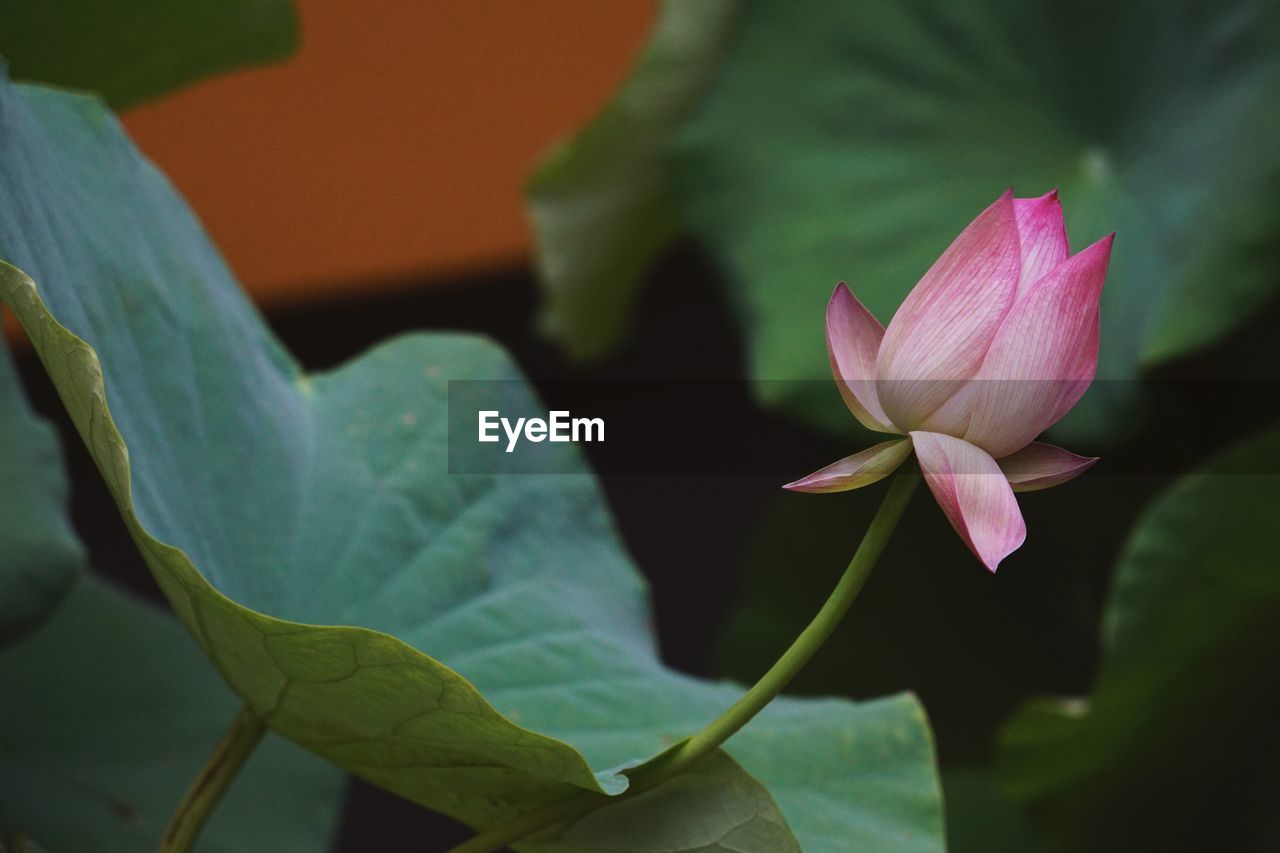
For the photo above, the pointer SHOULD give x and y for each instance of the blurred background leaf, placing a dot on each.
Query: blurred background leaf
(853, 141)
(981, 819)
(132, 50)
(40, 556)
(109, 712)
(601, 204)
(1176, 744)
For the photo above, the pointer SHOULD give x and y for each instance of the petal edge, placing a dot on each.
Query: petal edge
(974, 495)
(1043, 466)
(853, 472)
(1044, 356)
(853, 342)
(941, 333)
(1042, 237)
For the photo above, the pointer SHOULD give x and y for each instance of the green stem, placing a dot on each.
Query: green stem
(680, 757)
(218, 773)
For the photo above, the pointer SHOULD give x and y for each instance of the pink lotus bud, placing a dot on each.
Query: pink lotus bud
(993, 346)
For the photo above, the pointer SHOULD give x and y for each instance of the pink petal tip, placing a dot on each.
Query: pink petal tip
(1043, 466)
(974, 495)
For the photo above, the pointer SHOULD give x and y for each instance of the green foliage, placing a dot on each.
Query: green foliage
(854, 140)
(714, 806)
(334, 549)
(109, 712)
(132, 50)
(41, 557)
(1176, 743)
(602, 204)
(980, 819)
(109, 708)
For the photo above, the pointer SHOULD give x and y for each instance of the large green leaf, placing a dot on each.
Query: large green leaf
(601, 204)
(335, 549)
(1177, 739)
(853, 141)
(110, 711)
(131, 50)
(40, 556)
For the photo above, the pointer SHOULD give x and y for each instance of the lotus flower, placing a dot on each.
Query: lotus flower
(995, 344)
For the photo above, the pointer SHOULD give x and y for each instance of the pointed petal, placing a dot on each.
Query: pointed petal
(974, 494)
(853, 339)
(1043, 358)
(1043, 466)
(854, 472)
(945, 325)
(1042, 237)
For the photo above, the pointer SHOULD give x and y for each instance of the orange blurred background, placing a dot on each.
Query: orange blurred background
(393, 146)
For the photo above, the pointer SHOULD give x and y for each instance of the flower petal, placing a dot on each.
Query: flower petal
(974, 494)
(1043, 358)
(853, 340)
(854, 472)
(945, 325)
(1043, 466)
(1042, 237)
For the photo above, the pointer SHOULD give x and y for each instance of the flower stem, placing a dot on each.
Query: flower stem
(682, 755)
(218, 773)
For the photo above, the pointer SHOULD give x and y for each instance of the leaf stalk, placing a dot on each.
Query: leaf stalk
(207, 789)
